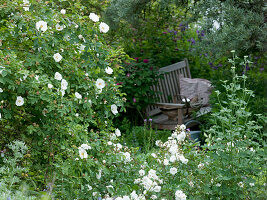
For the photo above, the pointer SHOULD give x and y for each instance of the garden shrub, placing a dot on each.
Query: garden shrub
(58, 80)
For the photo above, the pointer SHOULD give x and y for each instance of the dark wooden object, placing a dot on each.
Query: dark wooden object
(169, 111)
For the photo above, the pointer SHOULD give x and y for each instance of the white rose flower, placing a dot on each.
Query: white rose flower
(179, 195)
(19, 101)
(200, 166)
(181, 136)
(50, 86)
(82, 152)
(183, 159)
(103, 27)
(125, 198)
(241, 184)
(94, 17)
(58, 76)
(141, 172)
(57, 57)
(62, 92)
(26, 5)
(153, 197)
(119, 146)
(1, 90)
(134, 195)
(173, 171)
(118, 132)
(157, 188)
(114, 109)
(173, 158)
(89, 187)
(59, 27)
(64, 84)
(108, 70)
(153, 155)
(86, 146)
(100, 83)
(63, 11)
(183, 127)
(109, 143)
(41, 25)
(78, 95)
(166, 162)
(98, 176)
(127, 157)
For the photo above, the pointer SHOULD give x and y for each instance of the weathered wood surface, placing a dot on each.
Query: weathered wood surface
(169, 88)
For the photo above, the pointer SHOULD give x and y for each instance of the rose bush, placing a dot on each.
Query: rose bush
(57, 80)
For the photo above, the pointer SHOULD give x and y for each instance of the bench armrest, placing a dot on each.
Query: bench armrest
(170, 105)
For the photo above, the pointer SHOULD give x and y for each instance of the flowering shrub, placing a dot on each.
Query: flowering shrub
(57, 80)
(136, 80)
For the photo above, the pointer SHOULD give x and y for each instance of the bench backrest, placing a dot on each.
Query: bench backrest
(169, 85)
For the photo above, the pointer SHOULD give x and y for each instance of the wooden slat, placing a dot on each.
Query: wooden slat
(168, 86)
(173, 67)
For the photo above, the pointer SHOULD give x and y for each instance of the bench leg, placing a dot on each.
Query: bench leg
(180, 116)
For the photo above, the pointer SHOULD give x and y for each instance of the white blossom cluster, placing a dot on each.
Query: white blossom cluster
(172, 147)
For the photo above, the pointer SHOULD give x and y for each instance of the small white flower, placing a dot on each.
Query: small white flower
(157, 188)
(125, 198)
(109, 143)
(59, 27)
(179, 195)
(103, 27)
(218, 185)
(252, 184)
(62, 92)
(89, 187)
(154, 155)
(94, 17)
(26, 5)
(78, 95)
(83, 153)
(41, 25)
(183, 127)
(98, 176)
(86, 146)
(37, 77)
(181, 136)
(166, 162)
(19, 101)
(173, 171)
(50, 86)
(191, 184)
(86, 74)
(118, 132)
(58, 76)
(200, 166)
(141, 172)
(153, 197)
(64, 84)
(1, 90)
(63, 11)
(241, 184)
(57, 57)
(108, 70)
(0, 116)
(80, 37)
(100, 83)
(173, 158)
(77, 114)
(114, 109)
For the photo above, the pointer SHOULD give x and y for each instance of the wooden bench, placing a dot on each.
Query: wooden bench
(168, 94)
